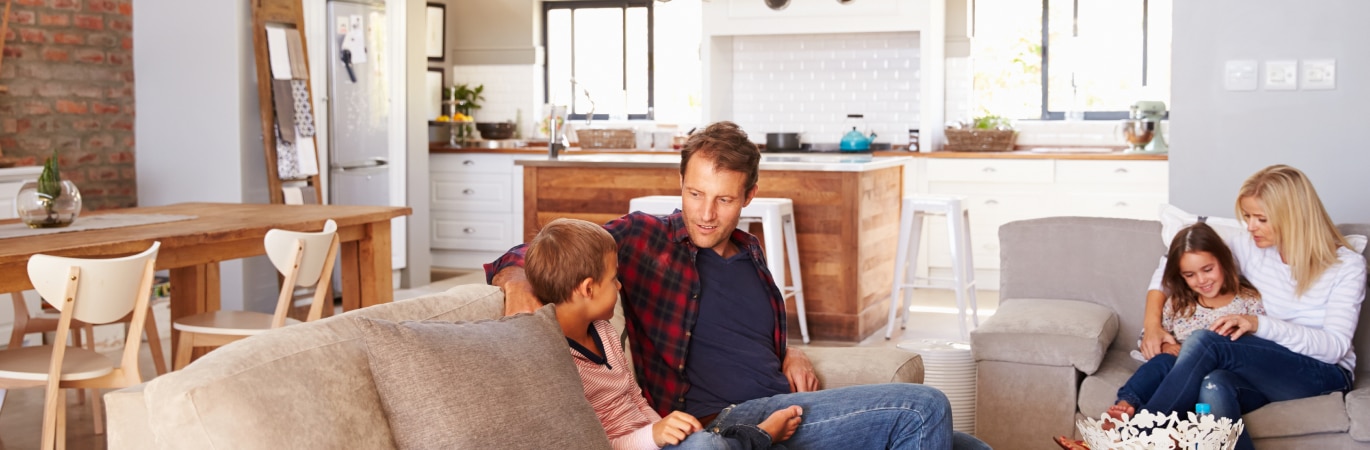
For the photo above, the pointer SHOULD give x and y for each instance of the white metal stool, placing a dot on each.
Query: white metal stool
(776, 216)
(915, 208)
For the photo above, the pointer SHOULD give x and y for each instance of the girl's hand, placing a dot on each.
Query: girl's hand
(673, 428)
(1235, 325)
(1152, 340)
(1172, 349)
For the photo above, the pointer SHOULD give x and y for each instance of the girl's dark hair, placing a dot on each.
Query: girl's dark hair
(1200, 237)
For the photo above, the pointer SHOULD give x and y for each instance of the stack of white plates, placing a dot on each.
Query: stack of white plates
(949, 367)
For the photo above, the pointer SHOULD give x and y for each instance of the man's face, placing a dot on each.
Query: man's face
(712, 201)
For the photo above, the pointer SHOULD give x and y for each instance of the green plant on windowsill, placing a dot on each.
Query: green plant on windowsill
(991, 122)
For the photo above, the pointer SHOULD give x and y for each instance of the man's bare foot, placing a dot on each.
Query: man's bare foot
(1117, 411)
(1070, 444)
(781, 424)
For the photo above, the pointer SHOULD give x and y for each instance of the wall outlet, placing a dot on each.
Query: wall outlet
(1319, 74)
(1281, 75)
(1240, 75)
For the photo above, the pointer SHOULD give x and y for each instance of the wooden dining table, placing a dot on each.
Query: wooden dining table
(192, 249)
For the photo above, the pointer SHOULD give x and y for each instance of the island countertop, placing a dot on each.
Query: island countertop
(790, 162)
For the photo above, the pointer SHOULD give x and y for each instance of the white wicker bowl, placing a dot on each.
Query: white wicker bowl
(1147, 430)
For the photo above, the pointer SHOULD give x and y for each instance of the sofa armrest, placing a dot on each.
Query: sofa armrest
(853, 366)
(128, 426)
(1046, 332)
(1358, 410)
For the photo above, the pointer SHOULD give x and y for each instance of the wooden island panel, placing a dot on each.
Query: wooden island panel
(847, 225)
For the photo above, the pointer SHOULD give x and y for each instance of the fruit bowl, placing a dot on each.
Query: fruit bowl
(495, 130)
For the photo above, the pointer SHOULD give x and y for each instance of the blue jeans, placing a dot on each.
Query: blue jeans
(1144, 382)
(1235, 377)
(896, 415)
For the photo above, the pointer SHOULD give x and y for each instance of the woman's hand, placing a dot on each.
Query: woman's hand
(1236, 325)
(673, 428)
(1155, 340)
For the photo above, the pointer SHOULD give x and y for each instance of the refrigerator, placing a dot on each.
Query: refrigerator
(359, 107)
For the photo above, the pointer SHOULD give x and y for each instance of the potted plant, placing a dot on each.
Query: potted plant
(50, 201)
(465, 99)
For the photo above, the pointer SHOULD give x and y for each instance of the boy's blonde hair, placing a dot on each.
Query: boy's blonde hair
(1308, 238)
(564, 253)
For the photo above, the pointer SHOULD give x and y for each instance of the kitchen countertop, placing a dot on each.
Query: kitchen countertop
(443, 147)
(1027, 154)
(777, 161)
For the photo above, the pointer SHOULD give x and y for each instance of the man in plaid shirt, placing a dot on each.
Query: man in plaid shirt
(707, 322)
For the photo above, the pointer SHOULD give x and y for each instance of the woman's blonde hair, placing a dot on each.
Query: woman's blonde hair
(1308, 238)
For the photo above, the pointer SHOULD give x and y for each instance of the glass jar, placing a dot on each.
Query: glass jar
(39, 210)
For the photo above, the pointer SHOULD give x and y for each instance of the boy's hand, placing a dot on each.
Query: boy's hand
(518, 293)
(674, 428)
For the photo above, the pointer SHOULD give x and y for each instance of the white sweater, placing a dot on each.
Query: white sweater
(1321, 322)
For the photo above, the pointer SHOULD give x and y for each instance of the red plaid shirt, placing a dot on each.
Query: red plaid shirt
(656, 265)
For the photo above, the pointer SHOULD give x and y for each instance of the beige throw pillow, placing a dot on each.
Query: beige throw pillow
(506, 383)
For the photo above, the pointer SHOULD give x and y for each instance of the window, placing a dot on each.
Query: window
(599, 57)
(1088, 59)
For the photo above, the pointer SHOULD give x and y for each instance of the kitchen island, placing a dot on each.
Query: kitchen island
(846, 216)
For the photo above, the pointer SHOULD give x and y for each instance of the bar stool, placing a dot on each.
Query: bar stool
(776, 216)
(915, 209)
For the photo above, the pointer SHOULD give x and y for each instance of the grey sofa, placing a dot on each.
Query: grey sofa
(1072, 295)
(309, 385)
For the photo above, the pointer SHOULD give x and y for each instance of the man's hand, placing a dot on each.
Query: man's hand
(1235, 325)
(1172, 349)
(1153, 341)
(518, 293)
(799, 370)
(673, 428)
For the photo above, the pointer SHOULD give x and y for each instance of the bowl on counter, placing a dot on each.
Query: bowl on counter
(495, 130)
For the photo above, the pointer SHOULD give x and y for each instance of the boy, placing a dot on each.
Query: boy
(573, 264)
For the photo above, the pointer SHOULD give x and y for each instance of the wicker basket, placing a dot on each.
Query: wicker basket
(606, 138)
(980, 140)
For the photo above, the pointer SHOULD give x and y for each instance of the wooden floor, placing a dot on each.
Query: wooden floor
(21, 415)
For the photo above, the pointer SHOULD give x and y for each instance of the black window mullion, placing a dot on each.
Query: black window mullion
(1046, 71)
(1146, 17)
(624, 5)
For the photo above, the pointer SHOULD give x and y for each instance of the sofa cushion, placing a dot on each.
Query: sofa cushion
(1311, 415)
(1100, 390)
(472, 384)
(1046, 332)
(303, 386)
(1358, 410)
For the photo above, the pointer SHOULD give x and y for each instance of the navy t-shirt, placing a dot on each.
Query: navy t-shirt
(732, 356)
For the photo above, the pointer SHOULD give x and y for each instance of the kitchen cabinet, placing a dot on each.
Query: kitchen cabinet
(1002, 190)
(476, 207)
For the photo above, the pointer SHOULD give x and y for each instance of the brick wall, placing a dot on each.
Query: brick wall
(69, 68)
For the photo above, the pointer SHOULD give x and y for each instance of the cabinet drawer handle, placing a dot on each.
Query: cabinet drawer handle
(468, 163)
(1120, 204)
(988, 170)
(991, 202)
(468, 191)
(468, 230)
(1120, 170)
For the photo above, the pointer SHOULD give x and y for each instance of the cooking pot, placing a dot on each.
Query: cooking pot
(782, 142)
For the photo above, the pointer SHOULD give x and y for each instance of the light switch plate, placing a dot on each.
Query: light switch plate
(1281, 75)
(1240, 75)
(1319, 74)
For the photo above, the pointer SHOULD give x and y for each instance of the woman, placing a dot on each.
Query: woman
(1312, 284)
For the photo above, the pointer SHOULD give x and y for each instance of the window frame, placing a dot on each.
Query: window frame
(548, 6)
(1047, 113)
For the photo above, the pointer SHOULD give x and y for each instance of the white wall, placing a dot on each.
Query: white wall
(809, 83)
(1220, 137)
(198, 126)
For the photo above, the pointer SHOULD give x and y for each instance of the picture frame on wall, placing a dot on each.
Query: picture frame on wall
(437, 31)
(433, 80)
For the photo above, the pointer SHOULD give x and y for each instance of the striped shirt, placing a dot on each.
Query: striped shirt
(1319, 323)
(610, 388)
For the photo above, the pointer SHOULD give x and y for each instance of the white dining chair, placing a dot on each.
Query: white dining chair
(92, 291)
(305, 259)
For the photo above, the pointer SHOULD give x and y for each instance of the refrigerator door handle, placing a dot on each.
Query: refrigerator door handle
(369, 163)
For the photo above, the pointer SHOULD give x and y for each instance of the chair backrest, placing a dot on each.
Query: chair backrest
(280, 245)
(106, 290)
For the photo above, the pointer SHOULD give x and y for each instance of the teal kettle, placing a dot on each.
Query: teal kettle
(855, 141)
